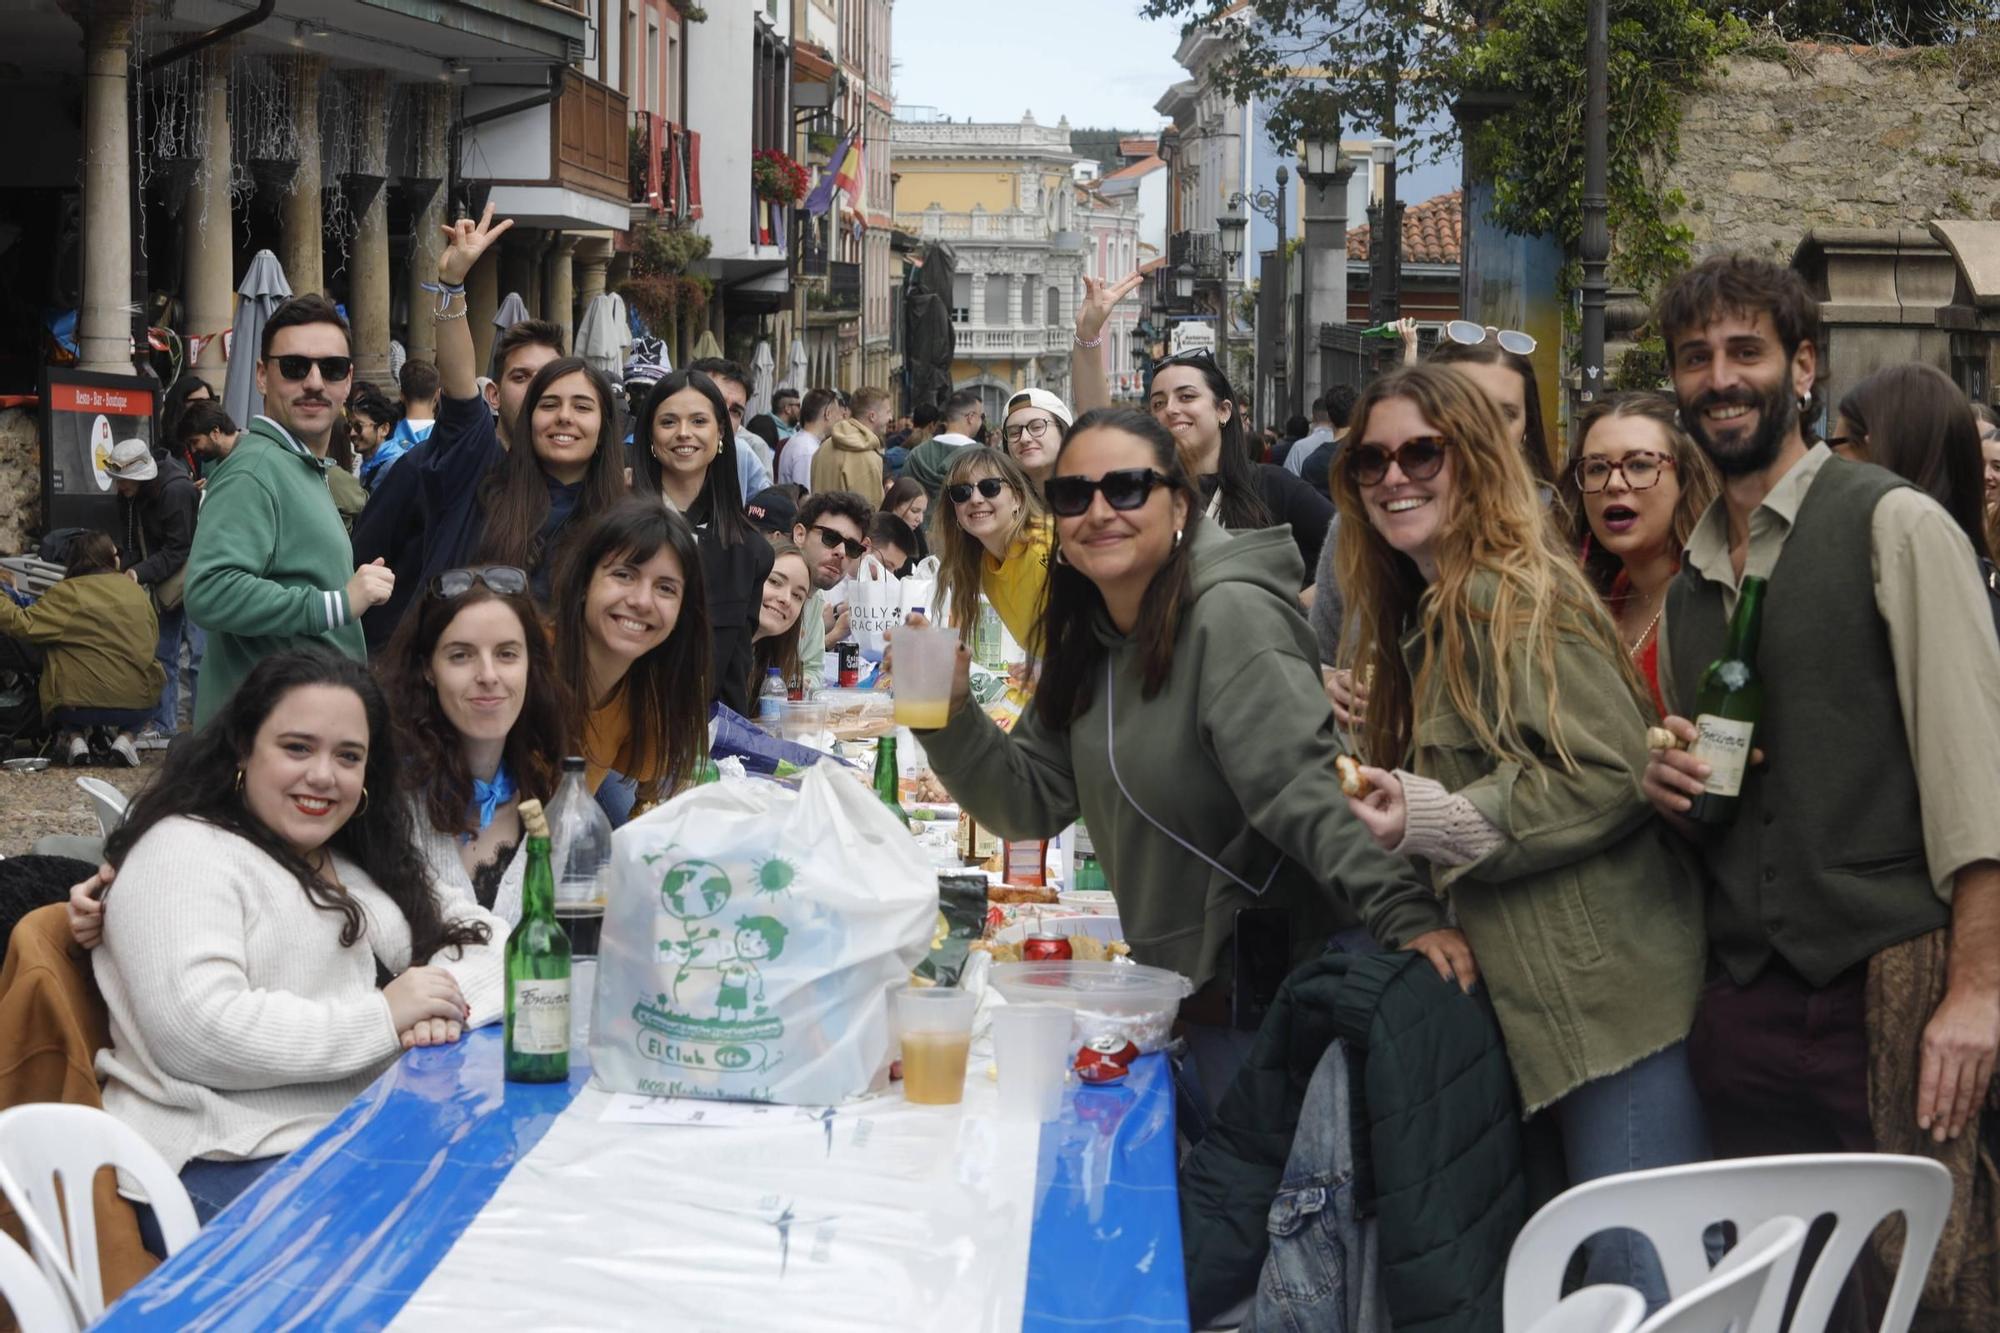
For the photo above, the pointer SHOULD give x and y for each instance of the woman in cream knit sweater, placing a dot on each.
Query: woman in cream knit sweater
(259, 888)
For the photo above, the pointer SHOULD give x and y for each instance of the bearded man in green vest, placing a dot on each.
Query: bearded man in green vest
(1854, 902)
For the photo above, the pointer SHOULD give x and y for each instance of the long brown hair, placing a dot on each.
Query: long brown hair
(961, 556)
(1921, 427)
(665, 691)
(778, 650)
(1073, 653)
(1505, 588)
(515, 494)
(1692, 470)
(434, 760)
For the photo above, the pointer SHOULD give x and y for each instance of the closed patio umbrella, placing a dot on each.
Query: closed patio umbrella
(263, 290)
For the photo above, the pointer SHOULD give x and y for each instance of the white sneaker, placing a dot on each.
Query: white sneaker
(152, 738)
(78, 752)
(124, 749)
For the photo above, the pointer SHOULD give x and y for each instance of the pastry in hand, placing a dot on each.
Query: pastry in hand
(1352, 783)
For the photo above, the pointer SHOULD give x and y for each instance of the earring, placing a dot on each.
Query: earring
(362, 809)
(1805, 402)
(239, 782)
(1061, 559)
(1178, 534)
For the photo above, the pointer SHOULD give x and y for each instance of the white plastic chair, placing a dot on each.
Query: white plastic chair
(107, 801)
(1600, 1309)
(50, 1154)
(1740, 1286)
(1672, 1206)
(37, 1306)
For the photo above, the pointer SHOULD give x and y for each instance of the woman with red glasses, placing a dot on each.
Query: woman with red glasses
(1509, 732)
(1169, 648)
(1634, 486)
(991, 534)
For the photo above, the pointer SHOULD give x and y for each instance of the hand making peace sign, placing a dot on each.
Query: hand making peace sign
(1098, 300)
(465, 241)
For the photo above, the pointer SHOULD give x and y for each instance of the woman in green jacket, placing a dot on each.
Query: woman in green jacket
(1517, 730)
(1180, 713)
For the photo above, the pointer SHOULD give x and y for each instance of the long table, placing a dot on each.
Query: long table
(445, 1196)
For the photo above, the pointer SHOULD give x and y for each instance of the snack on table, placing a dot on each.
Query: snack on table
(1352, 783)
(1659, 738)
(1021, 893)
(925, 789)
(1085, 948)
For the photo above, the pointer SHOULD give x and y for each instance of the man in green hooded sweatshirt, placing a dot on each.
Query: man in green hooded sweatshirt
(271, 567)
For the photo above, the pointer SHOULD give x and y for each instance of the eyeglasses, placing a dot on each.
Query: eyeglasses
(834, 541)
(1640, 468)
(1125, 489)
(990, 487)
(1033, 429)
(1419, 458)
(503, 579)
(1471, 335)
(332, 369)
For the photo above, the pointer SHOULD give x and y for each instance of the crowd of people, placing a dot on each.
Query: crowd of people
(546, 563)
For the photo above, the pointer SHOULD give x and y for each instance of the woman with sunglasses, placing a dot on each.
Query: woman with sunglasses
(1170, 647)
(992, 536)
(632, 641)
(1510, 731)
(560, 467)
(1634, 488)
(689, 460)
(1192, 398)
(1032, 432)
(485, 720)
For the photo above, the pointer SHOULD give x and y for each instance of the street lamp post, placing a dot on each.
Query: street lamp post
(1231, 227)
(1272, 206)
(1322, 298)
(1594, 246)
(1385, 243)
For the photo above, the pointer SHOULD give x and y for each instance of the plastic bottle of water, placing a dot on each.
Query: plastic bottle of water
(771, 698)
(986, 638)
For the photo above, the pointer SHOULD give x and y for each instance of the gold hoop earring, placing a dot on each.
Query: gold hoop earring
(239, 782)
(362, 809)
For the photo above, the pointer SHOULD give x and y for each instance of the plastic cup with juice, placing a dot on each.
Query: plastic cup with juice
(934, 1026)
(923, 665)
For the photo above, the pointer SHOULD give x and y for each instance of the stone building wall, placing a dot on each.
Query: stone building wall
(1837, 137)
(20, 480)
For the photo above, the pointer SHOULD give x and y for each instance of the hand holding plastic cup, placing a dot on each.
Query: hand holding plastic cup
(1031, 1045)
(920, 675)
(934, 1026)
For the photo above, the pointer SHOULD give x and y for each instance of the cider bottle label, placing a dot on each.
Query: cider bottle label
(541, 1017)
(1724, 745)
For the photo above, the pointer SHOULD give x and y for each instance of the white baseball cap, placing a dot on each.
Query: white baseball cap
(1045, 400)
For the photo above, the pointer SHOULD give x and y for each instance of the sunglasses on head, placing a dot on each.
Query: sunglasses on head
(990, 487)
(1471, 335)
(831, 539)
(1194, 356)
(503, 579)
(332, 369)
(1420, 459)
(1124, 489)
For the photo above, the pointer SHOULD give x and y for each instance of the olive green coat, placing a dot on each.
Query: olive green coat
(1587, 920)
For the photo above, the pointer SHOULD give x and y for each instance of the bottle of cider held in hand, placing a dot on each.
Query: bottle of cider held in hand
(537, 1035)
(1729, 704)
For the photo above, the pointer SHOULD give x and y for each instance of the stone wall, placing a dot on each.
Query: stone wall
(1837, 137)
(20, 480)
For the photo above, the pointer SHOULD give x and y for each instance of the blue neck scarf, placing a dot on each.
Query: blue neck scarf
(490, 796)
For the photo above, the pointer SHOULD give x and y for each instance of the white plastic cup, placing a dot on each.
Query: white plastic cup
(1031, 1045)
(934, 1029)
(920, 680)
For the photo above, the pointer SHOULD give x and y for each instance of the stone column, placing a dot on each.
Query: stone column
(975, 314)
(593, 259)
(104, 329)
(368, 291)
(559, 287)
(302, 246)
(482, 299)
(1017, 286)
(208, 271)
(1326, 276)
(426, 228)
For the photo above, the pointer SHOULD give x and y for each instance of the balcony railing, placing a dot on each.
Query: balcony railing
(936, 224)
(1199, 250)
(589, 141)
(1009, 341)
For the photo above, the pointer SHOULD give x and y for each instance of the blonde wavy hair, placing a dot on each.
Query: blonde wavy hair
(959, 553)
(1507, 590)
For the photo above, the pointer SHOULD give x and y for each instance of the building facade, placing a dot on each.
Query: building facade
(1002, 196)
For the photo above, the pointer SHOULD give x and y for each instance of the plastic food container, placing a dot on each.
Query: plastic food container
(1109, 999)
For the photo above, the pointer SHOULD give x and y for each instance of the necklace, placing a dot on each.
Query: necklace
(1647, 632)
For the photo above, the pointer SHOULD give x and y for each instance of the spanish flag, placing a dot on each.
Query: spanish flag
(847, 174)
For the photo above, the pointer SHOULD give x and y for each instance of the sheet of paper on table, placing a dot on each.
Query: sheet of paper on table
(634, 1109)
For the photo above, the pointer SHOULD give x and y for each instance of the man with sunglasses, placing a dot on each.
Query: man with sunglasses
(271, 568)
(832, 531)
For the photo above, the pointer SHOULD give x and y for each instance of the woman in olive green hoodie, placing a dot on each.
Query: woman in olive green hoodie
(1180, 713)
(1501, 684)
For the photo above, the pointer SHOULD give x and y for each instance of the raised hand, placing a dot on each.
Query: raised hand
(1098, 300)
(466, 240)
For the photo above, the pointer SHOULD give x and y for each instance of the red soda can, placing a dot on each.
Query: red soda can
(1105, 1059)
(850, 665)
(1045, 949)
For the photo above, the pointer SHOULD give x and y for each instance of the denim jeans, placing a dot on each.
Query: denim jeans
(166, 718)
(195, 642)
(211, 1187)
(1321, 1273)
(1644, 1116)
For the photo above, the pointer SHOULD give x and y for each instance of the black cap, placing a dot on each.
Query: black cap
(772, 510)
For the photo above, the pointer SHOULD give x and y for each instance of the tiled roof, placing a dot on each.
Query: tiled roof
(1431, 232)
(1139, 145)
(1143, 167)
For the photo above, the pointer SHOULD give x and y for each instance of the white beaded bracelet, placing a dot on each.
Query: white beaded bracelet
(1077, 338)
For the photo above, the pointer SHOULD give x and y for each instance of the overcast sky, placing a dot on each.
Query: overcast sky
(1095, 61)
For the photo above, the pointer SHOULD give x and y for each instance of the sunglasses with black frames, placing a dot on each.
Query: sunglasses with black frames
(1124, 489)
(332, 369)
(503, 579)
(832, 540)
(961, 491)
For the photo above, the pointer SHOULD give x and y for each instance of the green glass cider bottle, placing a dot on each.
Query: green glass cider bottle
(1729, 703)
(537, 1034)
